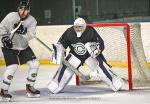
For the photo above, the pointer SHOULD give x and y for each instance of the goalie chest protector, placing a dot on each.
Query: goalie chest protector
(77, 45)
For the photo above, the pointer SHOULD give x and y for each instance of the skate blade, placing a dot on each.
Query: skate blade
(29, 95)
(5, 99)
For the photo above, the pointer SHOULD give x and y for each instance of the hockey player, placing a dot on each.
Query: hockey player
(86, 46)
(16, 50)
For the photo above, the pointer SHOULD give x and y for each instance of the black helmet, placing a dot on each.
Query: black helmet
(24, 4)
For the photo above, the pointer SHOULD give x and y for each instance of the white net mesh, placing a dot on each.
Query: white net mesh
(116, 53)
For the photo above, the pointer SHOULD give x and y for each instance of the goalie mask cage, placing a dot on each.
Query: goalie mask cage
(124, 51)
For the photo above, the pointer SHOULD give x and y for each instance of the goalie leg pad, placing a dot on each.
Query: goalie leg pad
(60, 81)
(117, 83)
(63, 75)
(8, 76)
(111, 79)
(104, 68)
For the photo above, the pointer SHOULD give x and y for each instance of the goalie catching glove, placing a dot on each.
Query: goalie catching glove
(93, 49)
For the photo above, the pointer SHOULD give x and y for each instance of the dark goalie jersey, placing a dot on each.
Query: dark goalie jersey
(76, 45)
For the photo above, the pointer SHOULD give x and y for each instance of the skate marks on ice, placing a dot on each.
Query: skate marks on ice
(83, 95)
(80, 92)
(69, 93)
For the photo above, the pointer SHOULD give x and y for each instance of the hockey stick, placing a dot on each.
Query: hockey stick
(43, 44)
(84, 77)
(12, 32)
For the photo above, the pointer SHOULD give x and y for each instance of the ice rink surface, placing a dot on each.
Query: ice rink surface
(87, 94)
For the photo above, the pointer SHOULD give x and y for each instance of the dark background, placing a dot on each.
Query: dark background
(62, 12)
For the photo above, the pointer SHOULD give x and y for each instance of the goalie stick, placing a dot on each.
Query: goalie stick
(84, 77)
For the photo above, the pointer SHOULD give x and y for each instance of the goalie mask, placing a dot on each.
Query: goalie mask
(79, 26)
(23, 10)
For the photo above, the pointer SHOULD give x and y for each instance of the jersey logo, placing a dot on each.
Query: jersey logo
(79, 48)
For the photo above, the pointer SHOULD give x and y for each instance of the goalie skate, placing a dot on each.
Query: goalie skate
(32, 92)
(5, 96)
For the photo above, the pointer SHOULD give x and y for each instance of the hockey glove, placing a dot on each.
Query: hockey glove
(93, 49)
(21, 30)
(7, 43)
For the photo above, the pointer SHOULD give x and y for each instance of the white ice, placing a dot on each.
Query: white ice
(89, 94)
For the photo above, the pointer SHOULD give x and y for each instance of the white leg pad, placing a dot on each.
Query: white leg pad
(57, 84)
(53, 86)
(63, 75)
(105, 73)
(117, 83)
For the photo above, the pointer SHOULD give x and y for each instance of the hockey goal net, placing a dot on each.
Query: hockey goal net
(124, 51)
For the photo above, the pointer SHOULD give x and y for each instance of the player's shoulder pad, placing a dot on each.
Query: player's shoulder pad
(10, 14)
(32, 19)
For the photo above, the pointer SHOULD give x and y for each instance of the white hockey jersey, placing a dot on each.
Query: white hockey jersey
(20, 41)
